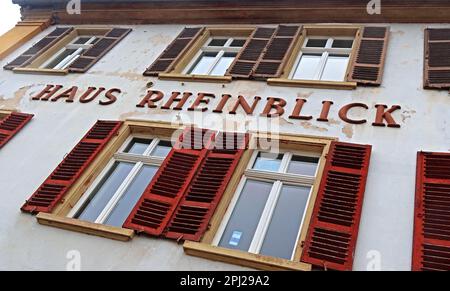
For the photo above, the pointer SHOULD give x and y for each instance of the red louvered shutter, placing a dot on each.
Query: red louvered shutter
(177, 48)
(437, 58)
(71, 168)
(245, 62)
(431, 246)
(192, 216)
(277, 52)
(11, 125)
(367, 68)
(37, 49)
(98, 50)
(161, 197)
(333, 230)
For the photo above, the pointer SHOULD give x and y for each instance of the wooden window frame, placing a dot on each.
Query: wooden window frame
(319, 30)
(34, 66)
(206, 248)
(185, 61)
(59, 216)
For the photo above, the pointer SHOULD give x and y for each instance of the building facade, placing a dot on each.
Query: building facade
(190, 135)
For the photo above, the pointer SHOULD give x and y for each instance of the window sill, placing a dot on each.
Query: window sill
(40, 71)
(195, 78)
(116, 233)
(312, 84)
(245, 259)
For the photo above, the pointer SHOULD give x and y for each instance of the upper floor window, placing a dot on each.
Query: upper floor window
(215, 57)
(323, 58)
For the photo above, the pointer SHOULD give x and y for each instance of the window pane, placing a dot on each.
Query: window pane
(335, 68)
(316, 42)
(82, 40)
(137, 146)
(162, 149)
(203, 64)
(307, 67)
(218, 42)
(303, 165)
(104, 191)
(284, 226)
(131, 196)
(59, 58)
(342, 43)
(237, 43)
(246, 215)
(268, 162)
(223, 64)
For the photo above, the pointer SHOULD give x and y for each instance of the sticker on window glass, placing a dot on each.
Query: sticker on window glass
(235, 238)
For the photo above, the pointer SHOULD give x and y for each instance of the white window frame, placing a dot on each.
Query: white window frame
(72, 57)
(325, 52)
(220, 50)
(278, 179)
(139, 159)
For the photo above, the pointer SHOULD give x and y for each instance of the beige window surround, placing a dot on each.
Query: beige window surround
(205, 247)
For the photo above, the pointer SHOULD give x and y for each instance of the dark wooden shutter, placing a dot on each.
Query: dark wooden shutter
(367, 67)
(277, 52)
(431, 247)
(333, 230)
(191, 217)
(177, 48)
(37, 49)
(11, 125)
(98, 50)
(437, 58)
(245, 62)
(160, 199)
(71, 168)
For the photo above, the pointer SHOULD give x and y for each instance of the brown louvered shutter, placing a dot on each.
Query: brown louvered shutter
(367, 67)
(165, 62)
(157, 204)
(11, 125)
(71, 168)
(431, 247)
(98, 50)
(191, 218)
(333, 230)
(245, 62)
(37, 49)
(437, 58)
(277, 52)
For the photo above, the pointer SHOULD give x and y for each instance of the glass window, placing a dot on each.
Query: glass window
(268, 162)
(285, 222)
(316, 42)
(342, 43)
(335, 68)
(302, 165)
(223, 64)
(244, 220)
(204, 64)
(218, 42)
(131, 196)
(137, 146)
(307, 67)
(104, 191)
(162, 149)
(238, 43)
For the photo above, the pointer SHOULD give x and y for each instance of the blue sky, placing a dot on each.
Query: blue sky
(9, 15)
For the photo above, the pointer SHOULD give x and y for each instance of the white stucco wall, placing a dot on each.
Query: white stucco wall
(387, 217)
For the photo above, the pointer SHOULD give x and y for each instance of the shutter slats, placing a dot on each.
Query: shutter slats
(98, 50)
(277, 52)
(367, 68)
(71, 168)
(431, 246)
(191, 218)
(37, 49)
(157, 204)
(176, 49)
(333, 230)
(11, 125)
(437, 58)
